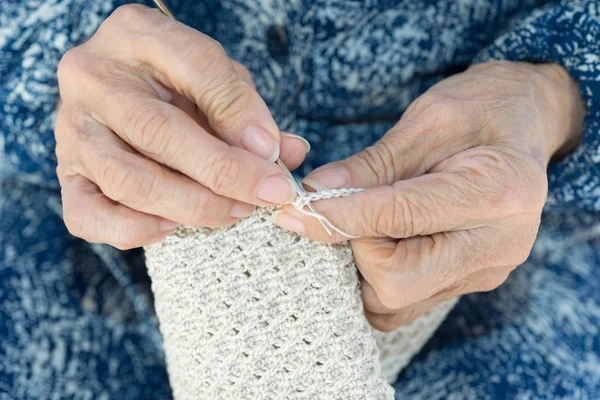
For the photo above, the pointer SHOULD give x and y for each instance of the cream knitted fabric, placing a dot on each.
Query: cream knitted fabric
(255, 312)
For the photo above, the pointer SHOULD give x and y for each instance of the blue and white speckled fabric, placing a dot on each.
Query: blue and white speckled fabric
(77, 319)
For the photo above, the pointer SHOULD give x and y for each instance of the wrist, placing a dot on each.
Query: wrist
(565, 110)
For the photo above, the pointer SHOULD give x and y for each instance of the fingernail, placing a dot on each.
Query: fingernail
(327, 177)
(168, 225)
(276, 189)
(287, 221)
(241, 210)
(300, 138)
(260, 142)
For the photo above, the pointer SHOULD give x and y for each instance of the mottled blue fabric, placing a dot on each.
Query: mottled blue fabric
(76, 319)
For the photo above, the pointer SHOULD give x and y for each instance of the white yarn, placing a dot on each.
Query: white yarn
(255, 312)
(303, 198)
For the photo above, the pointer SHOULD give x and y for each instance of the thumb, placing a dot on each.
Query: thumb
(424, 136)
(400, 154)
(380, 164)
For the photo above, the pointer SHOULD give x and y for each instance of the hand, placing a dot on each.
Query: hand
(158, 127)
(456, 187)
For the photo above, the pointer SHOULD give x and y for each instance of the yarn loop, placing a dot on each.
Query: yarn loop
(303, 198)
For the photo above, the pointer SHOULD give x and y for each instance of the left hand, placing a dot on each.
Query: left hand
(455, 189)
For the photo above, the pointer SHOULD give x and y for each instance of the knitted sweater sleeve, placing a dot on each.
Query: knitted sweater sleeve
(567, 33)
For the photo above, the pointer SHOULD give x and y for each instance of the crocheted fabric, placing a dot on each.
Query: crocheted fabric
(255, 312)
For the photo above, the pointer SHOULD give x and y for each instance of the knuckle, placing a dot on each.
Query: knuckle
(223, 173)
(421, 104)
(148, 127)
(200, 215)
(401, 223)
(214, 51)
(126, 15)
(379, 161)
(228, 102)
(427, 105)
(80, 75)
(210, 56)
(370, 217)
(74, 66)
(118, 179)
(433, 113)
(68, 65)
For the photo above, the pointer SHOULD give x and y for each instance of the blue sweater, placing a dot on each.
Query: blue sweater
(77, 318)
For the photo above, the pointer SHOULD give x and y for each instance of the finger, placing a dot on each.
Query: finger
(182, 102)
(431, 130)
(392, 321)
(293, 150)
(131, 179)
(196, 65)
(421, 267)
(484, 280)
(417, 268)
(169, 136)
(419, 206)
(386, 319)
(90, 215)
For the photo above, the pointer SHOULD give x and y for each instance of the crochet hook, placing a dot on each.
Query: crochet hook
(165, 10)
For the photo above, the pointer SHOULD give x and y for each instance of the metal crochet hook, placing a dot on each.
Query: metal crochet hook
(165, 10)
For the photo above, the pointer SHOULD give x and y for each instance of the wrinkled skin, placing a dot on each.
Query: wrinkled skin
(157, 127)
(455, 189)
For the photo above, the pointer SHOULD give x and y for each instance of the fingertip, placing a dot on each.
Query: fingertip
(288, 221)
(276, 189)
(313, 186)
(292, 151)
(166, 225)
(241, 210)
(330, 176)
(298, 141)
(260, 142)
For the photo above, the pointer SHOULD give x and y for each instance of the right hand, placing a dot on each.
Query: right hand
(157, 128)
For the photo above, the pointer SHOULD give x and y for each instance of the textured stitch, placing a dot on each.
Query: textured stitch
(76, 320)
(256, 312)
